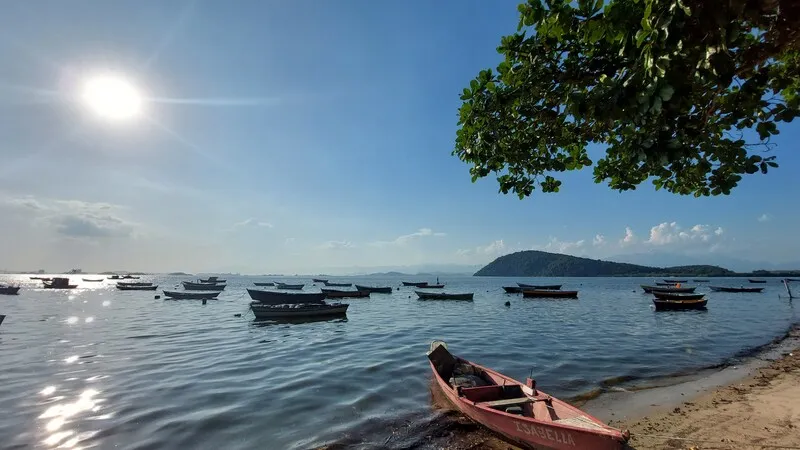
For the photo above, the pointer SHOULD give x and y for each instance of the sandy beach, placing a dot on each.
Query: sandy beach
(758, 412)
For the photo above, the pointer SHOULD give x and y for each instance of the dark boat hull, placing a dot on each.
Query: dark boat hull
(443, 296)
(337, 284)
(191, 295)
(733, 289)
(512, 289)
(683, 290)
(289, 287)
(89, 280)
(213, 280)
(9, 290)
(277, 312)
(757, 281)
(552, 287)
(319, 280)
(137, 288)
(665, 284)
(679, 305)
(375, 290)
(334, 293)
(203, 287)
(280, 298)
(264, 284)
(541, 293)
(676, 296)
(419, 285)
(675, 281)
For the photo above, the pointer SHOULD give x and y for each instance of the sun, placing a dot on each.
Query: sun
(112, 97)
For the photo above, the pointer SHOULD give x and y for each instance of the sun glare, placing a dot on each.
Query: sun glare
(112, 97)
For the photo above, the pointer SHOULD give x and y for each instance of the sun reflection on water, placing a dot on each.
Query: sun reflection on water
(71, 320)
(57, 416)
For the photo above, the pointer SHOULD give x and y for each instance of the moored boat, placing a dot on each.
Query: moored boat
(677, 296)
(262, 311)
(136, 287)
(675, 281)
(130, 277)
(674, 305)
(290, 287)
(266, 283)
(432, 286)
(192, 286)
(9, 290)
(548, 293)
(735, 289)
(443, 296)
(519, 412)
(115, 277)
(278, 298)
(754, 281)
(335, 293)
(328, 283)
(92, 280)
(685, 290)
(319, 280)
(195, 295)
(212, 280)
(540, 286)
(58, 283)
(658, 283)
(134, 283)
(512, 289)
(415, 284)
(41, 278)
(374, 289)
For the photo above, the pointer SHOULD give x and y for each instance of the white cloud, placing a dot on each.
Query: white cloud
(406, 238)
(764, 218)
(668, 233)
(332, 245)
(73, 218)
(719, 231)
(557, 246)
(251, 222)
(629, 237)
(496, 247)
(599, 240)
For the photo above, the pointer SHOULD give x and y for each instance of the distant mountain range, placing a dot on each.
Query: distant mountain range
(664, 259)
(533, 263)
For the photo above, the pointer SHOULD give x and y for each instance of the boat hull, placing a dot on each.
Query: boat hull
(443, 296)
(682, 290)
(290, 287)
(89, 280)
(189, 286)
(512, 289)
(280, 298)
(375, 290)
(733, 289)
(527, 431)
(540, 293)
(757, 281)
(264, 284)
(319, 280)
(337, 284)
(676, 296)
(419, 285)
(9, 290)
(276, 312)
(674, 281)
(334, 293)
(137, 288)
(191, 295)
(679, 305)
(553, 287)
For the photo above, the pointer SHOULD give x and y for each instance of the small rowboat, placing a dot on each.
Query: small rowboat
(9, 290)
(674, 305)
(677, 296)
(262, 311)
(512, 289)
(178, 295)
(419, 285)
(735, 289)
(90, 280)
(375, 290)
(684, 290)
(266, 283)
(289, 287)
(190, 286)
(545, 293)
(519, 412)
(443, 296)
(134, 283)
(553, 287)
(335, 293)
(337, 284)
(675, 281)
(319, 280)
(280, 298)
(128, 287)
(756, 281)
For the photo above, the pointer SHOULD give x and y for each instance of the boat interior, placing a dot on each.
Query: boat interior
(492, 390)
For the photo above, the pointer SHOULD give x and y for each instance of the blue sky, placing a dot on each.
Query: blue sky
(305, 136)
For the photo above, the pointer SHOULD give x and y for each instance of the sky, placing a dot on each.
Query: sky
(308, 136)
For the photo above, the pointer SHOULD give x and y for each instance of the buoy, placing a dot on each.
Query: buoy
(237, 315)
(158, 297)
(508, 303)
(204, 301)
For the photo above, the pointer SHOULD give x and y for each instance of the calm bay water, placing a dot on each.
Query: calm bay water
(97, 367)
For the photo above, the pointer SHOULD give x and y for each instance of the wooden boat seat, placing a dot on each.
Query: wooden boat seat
(580, 422)
(508, 402)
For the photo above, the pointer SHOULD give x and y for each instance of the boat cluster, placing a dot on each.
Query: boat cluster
(671, 295)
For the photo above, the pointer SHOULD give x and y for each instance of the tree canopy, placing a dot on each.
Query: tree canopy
(686, 93)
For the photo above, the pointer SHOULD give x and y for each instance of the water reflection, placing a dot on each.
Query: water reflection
(59, 415)
(269, 322)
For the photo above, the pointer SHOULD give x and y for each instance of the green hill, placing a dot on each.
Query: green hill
(532, 263)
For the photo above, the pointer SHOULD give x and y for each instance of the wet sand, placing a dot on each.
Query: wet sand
(758, 412)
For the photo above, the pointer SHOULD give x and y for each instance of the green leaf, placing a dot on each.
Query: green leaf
(666, 92)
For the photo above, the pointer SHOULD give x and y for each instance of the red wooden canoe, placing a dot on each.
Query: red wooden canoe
(547, 293)
(520, 412)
